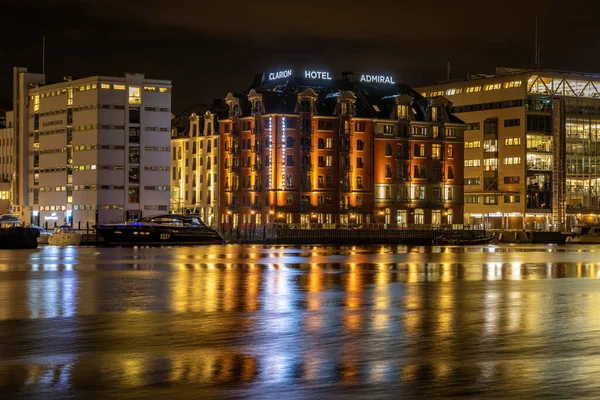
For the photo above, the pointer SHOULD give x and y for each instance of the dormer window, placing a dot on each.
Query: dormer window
(402, 110)
(258, 107)
(236, 110)
(305, 105)
(435, 113)
(344, 108)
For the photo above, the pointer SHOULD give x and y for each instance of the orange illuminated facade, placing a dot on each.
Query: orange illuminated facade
(338, 153)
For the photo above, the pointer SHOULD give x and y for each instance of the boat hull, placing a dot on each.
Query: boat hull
(157, 236)
(64, 239)
(18, 238)
(584, 239)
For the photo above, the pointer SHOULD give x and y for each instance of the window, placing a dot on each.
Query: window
(512, 180)
(435, 130)
(360, 145)
(512, 141)
(320, 143)
(473, 181)
(289, 181)
(135, 95)
(512, 160)
(359, 182)
(329, 143)
(490, 164)
(289, 142)
(359, 162)
(290, 160)
(539, 123)
(321, 161)
(388, 171)
(134, 155)
(402, 111)
(359, 201)
(388, 150)
(134, 116)
(359, 127)
(450, 172)
(473, 126)
(328, 201)
(490, 200)
(436, 151)
(471, 199)
(325, 125)
(329, 181)
(473, 163)
(490, 145)
(450, 151)
(435, 113)
(329, 161)
(320, 182)
(119, 87)
(490, 126)
(512, 199)
(388, 129)
(450, 132)
(289, 200)
(512, 122)
(133, 195)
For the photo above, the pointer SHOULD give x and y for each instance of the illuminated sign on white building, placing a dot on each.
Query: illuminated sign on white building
(377, 79)
(280, 74)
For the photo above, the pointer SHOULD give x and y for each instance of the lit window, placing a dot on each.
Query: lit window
(36, 102)
(149, 89)
(135, 96)
(104, 86)
(119, 87)
(162, 90)
(473, 89)
(94, 86)
(70, 97)
(492, 86)
(514, 84)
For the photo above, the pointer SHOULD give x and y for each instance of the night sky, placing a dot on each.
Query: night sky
(210, 48)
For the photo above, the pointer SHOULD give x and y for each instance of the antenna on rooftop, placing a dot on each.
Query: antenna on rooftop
(537, 45)
(43, 55)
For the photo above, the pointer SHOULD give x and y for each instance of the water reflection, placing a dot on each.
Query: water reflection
(255, 320)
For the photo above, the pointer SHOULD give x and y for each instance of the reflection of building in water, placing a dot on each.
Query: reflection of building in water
(532, 147)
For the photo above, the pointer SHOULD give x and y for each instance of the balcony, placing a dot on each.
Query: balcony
(257, 167)
(345, 149)
(346, 167)
(257, 130)
(306, 187)
(232, 188)
(306, 167)
(233, 150)
(307, 149)
(256, 206)
(257, 149)
(306, 207)
(234, 207)
(345, 132)
(256, 188)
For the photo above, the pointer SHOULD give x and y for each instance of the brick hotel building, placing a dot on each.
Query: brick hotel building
(312, 151)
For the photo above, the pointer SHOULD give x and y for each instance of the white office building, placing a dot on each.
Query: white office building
(91, 150)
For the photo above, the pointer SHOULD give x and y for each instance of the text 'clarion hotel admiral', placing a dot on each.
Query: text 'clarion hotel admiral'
(306, 148)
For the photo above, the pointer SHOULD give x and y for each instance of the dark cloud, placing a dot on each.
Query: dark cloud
(211, 47)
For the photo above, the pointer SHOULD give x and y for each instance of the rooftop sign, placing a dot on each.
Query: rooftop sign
(286, 73)
(377, 79)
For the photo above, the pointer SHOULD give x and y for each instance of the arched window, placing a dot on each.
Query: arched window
(417, 151)
(321, 143)
(388, 149)
(249, 144)
(416, 173)
(268, 160)
(450, 151)
(289, 142)
(249, 163)
(243, 144)
(226, 163)
(226, 182)
(227, 145)
(267, 142)
(450, 172)
(360, 145)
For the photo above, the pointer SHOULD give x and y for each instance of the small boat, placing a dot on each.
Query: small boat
(585, 234)
(165, 229)
(64, 236)
(44, 234)
(463, 239)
